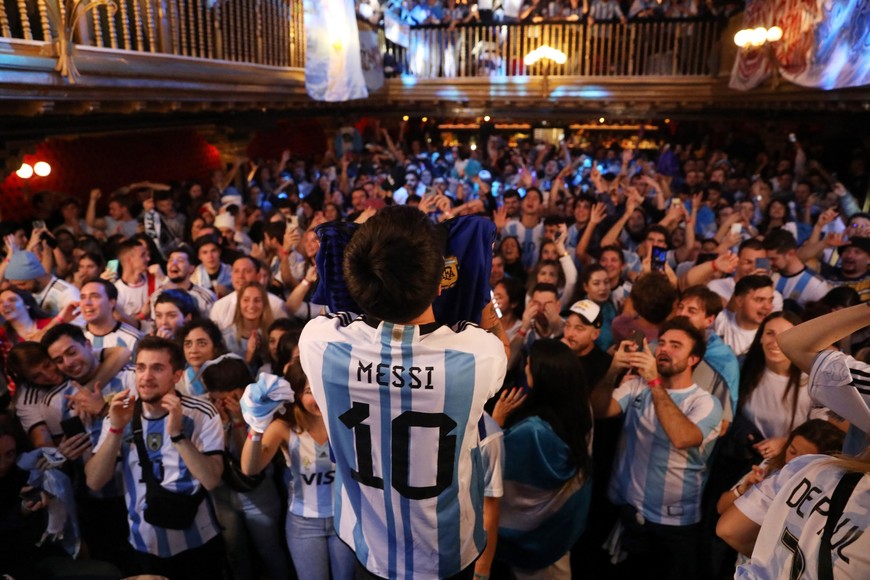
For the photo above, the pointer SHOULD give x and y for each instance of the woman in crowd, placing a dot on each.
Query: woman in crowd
(547, 441)
(276, 332)
(558, 269)
(25, 320)
(299, 302)
(247, 335)
(596, 287)
(314, 547)
(773, 395)
(512, 255)
(813, 437)
(201, 341)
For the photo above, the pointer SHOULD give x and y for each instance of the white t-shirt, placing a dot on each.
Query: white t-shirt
(739, 339)
(402, 405)
(791, 507)
(224, 309)
(131, 299)
(771, 414)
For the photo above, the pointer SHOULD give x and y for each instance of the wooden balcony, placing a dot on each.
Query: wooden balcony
(196, 56)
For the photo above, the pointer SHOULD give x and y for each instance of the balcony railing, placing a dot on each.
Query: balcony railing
(264, 32)
(683, 47)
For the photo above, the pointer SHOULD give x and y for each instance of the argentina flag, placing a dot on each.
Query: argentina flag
(333, 69)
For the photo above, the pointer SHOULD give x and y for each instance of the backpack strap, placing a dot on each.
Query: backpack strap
(839, 499)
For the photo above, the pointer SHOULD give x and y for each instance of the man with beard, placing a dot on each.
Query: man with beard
(582, 327)
(180, 440)
(668, 434)
(178, 271)
(855, 257)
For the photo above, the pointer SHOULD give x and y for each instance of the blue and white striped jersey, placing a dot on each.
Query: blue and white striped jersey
(202, 425)
(662, 482)
(56, 295)
(201, 278)
(122, 335)
(529, 238)
(312, 473)
(791, 506)
(190, 384)
(402, 405)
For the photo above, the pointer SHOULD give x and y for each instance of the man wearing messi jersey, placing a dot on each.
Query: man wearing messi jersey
(403, 397)
(668, 434)
(182, 441)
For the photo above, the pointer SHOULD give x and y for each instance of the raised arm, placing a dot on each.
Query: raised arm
(260, 448)
(802, 343)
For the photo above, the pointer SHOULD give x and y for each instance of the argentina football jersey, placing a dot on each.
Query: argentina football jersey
(402, 405)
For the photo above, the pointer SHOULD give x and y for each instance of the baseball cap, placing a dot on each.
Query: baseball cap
(588, 311)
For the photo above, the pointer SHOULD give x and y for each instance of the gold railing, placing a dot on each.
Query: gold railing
(682, 47)
(266, 32)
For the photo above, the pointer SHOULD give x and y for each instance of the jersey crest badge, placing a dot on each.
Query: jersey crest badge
(450, 275)
(154, 441)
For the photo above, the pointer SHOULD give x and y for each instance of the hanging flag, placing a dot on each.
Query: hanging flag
(333, 69)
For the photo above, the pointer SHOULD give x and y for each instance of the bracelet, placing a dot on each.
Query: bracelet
(522, 332)
(736, 491)
(305, 282)
(116, 431)
(58, 319)
(713, 263)
(255, 437)
(656, 382)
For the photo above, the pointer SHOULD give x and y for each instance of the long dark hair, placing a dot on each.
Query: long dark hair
(560, 396)
(33, 310)
(754, 365)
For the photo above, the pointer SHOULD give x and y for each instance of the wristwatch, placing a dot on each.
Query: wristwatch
(177, 438)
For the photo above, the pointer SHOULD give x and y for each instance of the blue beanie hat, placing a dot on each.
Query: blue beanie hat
(24, 266)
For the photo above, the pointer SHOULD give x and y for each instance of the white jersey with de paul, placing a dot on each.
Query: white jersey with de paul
(203, 427)
(791, 507)
(402, 406)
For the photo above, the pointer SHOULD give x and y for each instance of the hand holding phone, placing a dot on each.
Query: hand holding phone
(659, 257)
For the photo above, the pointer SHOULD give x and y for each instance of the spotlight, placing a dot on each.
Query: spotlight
(425, 119)
(486, 119)
(601, 120)
(41, 168)
(405, 118)
(774, 34)
(25, 171)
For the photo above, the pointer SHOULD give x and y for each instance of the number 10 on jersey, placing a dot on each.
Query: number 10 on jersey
(400, 450)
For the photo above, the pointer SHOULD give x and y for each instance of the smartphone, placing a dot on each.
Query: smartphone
(292, 223)
(495, 304)
(736, 229)
(112, 266)
(72, 426)
(38, 224)
(31, 496)
(762, 264)
(637, 338)
(659, 257)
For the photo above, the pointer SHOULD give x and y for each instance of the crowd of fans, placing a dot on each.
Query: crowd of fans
(615, 270)
(428, 12)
